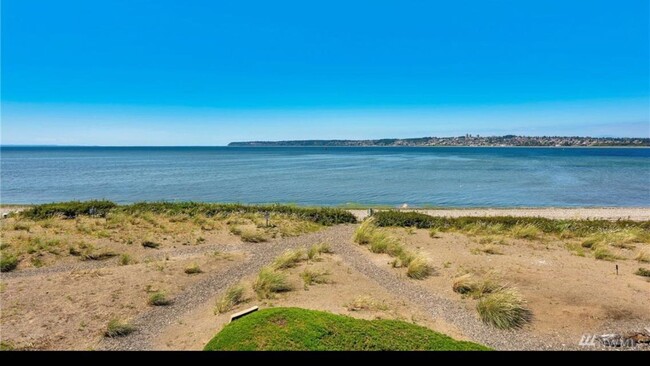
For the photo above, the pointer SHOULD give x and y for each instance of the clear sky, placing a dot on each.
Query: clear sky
(135, 72)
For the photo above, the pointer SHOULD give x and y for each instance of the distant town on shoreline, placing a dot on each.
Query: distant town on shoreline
(467, 140)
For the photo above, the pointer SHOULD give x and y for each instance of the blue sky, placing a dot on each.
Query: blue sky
(209, 72)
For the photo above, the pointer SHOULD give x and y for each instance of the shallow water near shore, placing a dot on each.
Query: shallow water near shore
(445, 177)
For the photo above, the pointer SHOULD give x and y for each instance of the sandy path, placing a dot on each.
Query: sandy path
(605, 213)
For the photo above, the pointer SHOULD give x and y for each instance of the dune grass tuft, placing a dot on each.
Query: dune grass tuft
(366, 303)
(528, 231)
(504, 309)
(476, 288)
(317, 249)
(253, 236)
(159, 299)
(118, 328)
(643, 255)
(269, 282)
(125, 259)
(602, 253)
(642, 272)
(310, 277)
(289, 259)
(150, 244)
(364, 232)
(193, 269)
(8, 262)
(234, 296)
(419, 269)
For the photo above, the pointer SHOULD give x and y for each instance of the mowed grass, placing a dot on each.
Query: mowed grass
(293, 329)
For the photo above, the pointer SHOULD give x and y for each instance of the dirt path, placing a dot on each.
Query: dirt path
(156, 319)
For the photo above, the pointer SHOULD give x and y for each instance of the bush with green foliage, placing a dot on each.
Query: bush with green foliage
(293, 329)
(321, 215)
(69, 209)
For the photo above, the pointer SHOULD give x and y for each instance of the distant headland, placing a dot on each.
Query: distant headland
(467, 140)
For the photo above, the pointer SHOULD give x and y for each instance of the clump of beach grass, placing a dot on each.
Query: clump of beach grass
(234, 296)
(642, 272)
(601, 252)
(317, 249)
(310, 277)
(470, 286)
(125, 259)
(366, 303)
(22, 226)
(193, 269)
(269, 282)
(419, 268)
(643, 255)
(150, 244)
(253, 236)
(159, 299)
(289, 259)
(364, 232)
(528, 231)
(504, 309)
(8, 262)
(118, 328)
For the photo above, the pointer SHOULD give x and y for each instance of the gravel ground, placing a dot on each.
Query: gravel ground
(605, 213)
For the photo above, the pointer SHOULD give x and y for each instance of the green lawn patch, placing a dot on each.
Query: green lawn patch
(290, 329)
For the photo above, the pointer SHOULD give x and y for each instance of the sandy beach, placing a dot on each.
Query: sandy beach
(604, 213)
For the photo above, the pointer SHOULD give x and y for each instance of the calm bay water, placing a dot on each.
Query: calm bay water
(458, 177)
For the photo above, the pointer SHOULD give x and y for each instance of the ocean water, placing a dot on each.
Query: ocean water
(450, 176)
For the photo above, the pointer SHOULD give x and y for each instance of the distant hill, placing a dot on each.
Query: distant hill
(467, 140)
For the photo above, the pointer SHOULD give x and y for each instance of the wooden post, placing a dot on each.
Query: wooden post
(267, 216)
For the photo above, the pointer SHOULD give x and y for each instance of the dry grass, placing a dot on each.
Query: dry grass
(504, 309)
(233, 297)
(269, 282)
(419, 269)
(317, 249)
(193, 269)
(289, 259)
(601, 252)
(159, 299)
(643, 255)
(644, 272)
(125, 259)
(468, 285)
(525, 232)
(310, 277)
(366, 303)
(253, 236)
(118, 328)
